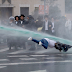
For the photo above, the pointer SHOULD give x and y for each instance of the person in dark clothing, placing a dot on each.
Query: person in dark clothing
(39, 23)
(30, 23)
(62, 32)
(47, 25)
(17, 21)
(57, 25)
(22, 21)
(11, 22)
(11, 40)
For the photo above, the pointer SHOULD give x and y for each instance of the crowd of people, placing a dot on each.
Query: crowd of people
(58, 26)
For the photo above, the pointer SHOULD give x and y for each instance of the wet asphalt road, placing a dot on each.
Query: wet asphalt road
(41, 60)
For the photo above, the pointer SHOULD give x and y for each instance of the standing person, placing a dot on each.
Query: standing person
(61, 29)
(30, 23)
(17, 21)
(11, 22)
(68, 29)
(11, 40)
(68, 26)
(45, 42)
(39, 23)
(22, 21)
(47, 26)
(53, 24)
(57, 25)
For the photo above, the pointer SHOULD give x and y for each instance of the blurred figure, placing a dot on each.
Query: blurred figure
(11, 40)
(39, 23)
(17, 21)
(53, 24)
(30, 23)
(62, 27)
(47, 26)
(11, 22)
(68, 26)
(57, 25)
(22, 21)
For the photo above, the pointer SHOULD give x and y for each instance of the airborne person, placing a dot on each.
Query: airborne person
(51, 43)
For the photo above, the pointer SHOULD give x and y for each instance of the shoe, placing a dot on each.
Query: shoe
(40, 43)
(30, 38)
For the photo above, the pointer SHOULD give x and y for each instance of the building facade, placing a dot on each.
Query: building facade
(26, 7)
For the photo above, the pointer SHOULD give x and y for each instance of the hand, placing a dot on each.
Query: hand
(49, 25)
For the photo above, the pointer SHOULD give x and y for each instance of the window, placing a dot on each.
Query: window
(24, 10)
(9, 1)
(5, 0)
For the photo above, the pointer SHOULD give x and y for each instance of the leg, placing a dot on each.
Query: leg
(66, 47)
(9, 47)
(34, 40)
(45, 46)
(58, 46)
(69, 46)
(61, 46)
(44, 43)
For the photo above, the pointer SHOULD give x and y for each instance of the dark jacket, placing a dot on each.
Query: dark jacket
(57, 25)
(22, 23)
(30, 24)
(11, 24)
(49, 28)
(39, 24)
(17, 23)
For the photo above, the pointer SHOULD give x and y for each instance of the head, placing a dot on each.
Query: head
(16, 18)
(11, 19)
(52, 19)
(46, 17)
(22, 17)
(30, 17)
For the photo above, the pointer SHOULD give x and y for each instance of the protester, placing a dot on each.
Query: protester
(11, 22)
(22, 21)
(17, 21)
(57, 25)
(53, 25)
(30, 23)
(47, 26)
(39, 23)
